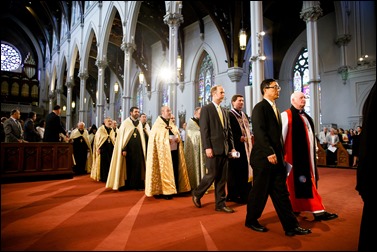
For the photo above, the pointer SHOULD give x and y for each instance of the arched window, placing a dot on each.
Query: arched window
(34, 91)
(301, 76)
(10, 58)
(4, 88)
(25, 90)
(139, 98)
(165, 95)
(206, 80)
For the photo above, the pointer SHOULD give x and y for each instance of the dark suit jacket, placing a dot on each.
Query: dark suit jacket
(267, 135)
(12, 131)
(53, 128)
(212, 133)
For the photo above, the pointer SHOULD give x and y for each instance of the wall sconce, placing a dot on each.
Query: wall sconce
(179, 62)
(116, 87)
(363, 60)
(64, 108)
(242, 38)
(73, 104)
(260, 55)
(141, 77)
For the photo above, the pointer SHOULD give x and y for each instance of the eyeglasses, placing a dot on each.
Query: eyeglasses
(277, 87)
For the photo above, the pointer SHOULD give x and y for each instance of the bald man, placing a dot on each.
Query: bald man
(300, 151)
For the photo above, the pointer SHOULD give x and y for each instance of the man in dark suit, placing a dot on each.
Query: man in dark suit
(270, 174)
(12, 128)
(53, 126)
(217, 140)
(365, 176)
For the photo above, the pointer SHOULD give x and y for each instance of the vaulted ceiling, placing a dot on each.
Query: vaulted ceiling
(41, 18)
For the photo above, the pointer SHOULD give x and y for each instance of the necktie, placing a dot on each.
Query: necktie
(220, 115)
(275, 110)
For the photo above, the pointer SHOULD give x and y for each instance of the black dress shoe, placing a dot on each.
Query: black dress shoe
(257, 227)
(196, 201)
(297, 231)
(325, 216)
(167, 197)
(225, 209)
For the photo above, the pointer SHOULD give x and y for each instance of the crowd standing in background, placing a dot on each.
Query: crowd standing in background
(54, 126)
(30, 132)
(13, 128)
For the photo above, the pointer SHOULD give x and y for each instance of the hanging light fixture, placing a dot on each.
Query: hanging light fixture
(242, 35)
(73, 104)
(141, 77)
(64, 108)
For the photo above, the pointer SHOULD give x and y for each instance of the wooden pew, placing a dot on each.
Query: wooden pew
(342, 156)
(21, 162)
(321, 155)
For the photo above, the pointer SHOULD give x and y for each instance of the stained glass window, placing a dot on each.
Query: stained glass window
(10, 58)
(139, 98)
(165, 95)
(301, 77)
(206, 80)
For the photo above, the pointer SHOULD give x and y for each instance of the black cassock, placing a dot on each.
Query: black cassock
(135, 161)
(106, 153)
(80, 152)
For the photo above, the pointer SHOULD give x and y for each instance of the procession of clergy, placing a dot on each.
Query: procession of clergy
(119, 156)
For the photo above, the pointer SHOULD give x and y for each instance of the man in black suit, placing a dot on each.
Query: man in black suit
(217, 140)
(365, 176)
(53, 126)
(12, 128)
(270, 174)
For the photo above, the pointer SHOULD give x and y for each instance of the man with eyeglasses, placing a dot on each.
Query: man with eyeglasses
(269, 169)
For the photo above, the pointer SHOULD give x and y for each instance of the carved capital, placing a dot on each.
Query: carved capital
(173, 19)
(343, 40)
(311, 13)
(70, 84)
(128, 47)
(83, 75)
(101, 63)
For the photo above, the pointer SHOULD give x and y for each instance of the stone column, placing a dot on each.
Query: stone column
(310, 13)
(128, 48)
(51, 97)
(173, 19)
(68, 122)
(83, 77)
(257, 53)
(101, 64)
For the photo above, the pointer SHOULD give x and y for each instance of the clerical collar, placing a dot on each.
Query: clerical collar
(135, 120)
(236, 112)
(298, 110)
(165, 120)
(195, 120)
